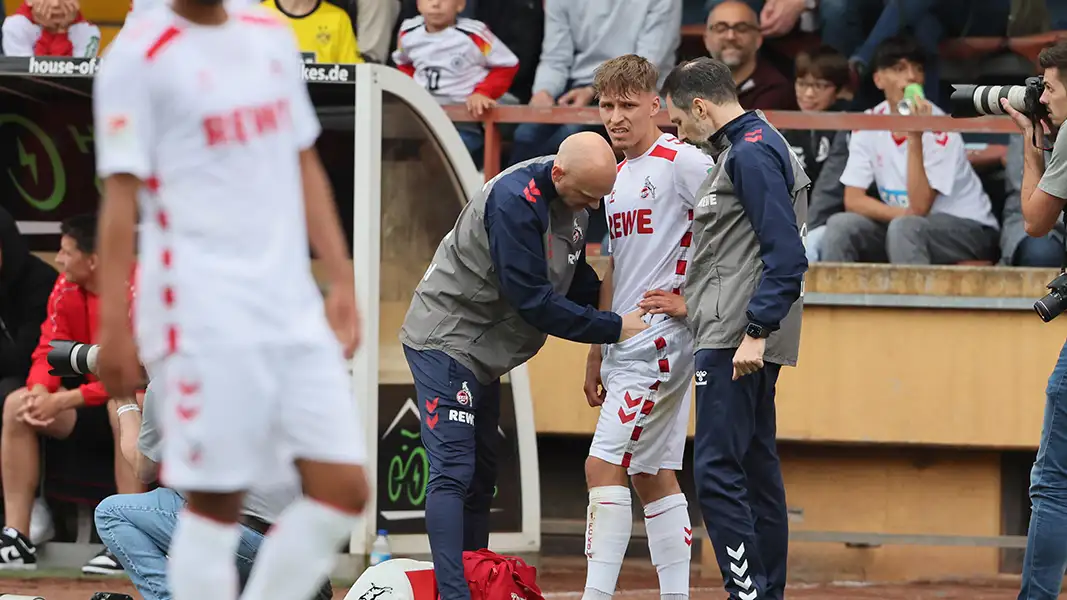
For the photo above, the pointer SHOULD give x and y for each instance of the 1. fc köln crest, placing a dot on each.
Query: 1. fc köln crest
(648, 190)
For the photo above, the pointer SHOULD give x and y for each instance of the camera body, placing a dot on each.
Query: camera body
(969, 101)
(1055, 301)
(71, 359)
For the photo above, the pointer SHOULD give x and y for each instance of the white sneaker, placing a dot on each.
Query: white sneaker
(41, 527)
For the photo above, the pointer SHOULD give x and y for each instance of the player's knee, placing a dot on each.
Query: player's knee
(651, 487)
(107, 512)
(12, 403)
(599, 472)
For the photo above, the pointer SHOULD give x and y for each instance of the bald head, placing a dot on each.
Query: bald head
(585, 165)
(733, 34)
(734, 11)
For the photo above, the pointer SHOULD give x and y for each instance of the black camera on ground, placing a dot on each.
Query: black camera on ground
(968, 101)
(71, 359)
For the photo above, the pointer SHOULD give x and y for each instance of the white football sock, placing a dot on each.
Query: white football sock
(608, 523)
(670, 539)
(299, 551)
(200, 561)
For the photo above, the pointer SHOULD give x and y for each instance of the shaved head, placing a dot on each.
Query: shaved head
(584, 170)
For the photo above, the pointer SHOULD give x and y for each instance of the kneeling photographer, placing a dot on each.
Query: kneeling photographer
(1041, 103)
(138, 528)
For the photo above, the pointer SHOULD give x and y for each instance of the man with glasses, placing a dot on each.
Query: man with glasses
(733, 36)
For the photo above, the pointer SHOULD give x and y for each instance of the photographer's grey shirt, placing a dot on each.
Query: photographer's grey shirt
(264, 503)
(1054, 181)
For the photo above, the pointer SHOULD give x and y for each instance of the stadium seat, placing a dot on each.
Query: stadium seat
(1031, 45)
(106, 12)
(107, 33)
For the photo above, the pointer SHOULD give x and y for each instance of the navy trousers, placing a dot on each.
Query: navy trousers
(459, 433)
(739, 477)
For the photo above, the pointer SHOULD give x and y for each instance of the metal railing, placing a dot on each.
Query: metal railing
(840, 121)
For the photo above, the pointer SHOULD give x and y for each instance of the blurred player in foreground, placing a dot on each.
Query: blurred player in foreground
(208, 110)
(511, 273)
(744, 292)
(645, 381)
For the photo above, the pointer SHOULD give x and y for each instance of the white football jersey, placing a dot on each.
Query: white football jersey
(882, 158)
(451, 63)
(650, 215)
(141, 6)
(213, 119)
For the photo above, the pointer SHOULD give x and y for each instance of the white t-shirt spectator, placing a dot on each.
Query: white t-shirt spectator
(455, 62)
(879, 157)
(217, 135)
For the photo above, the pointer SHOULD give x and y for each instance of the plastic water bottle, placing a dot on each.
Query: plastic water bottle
(379, 551)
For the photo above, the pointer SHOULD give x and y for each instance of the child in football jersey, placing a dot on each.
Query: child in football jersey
(457, 60)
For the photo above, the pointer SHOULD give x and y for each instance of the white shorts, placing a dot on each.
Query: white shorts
(235, 417)
(644, 418)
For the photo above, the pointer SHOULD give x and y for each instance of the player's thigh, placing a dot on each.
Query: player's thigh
(449, 397)
(319, 416)
(219, 410)
(647, 390)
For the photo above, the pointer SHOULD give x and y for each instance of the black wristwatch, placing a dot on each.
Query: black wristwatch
(757, 331)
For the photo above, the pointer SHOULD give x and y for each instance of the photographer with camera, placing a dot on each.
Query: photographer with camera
(1044, 196)
(138, 528)
(77, 415)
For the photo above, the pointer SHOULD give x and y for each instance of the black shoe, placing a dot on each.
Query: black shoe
(104, 563)
(16, 551)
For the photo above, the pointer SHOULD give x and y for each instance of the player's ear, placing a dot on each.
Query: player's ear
(557, 173)
(699, 109)
(656, 104)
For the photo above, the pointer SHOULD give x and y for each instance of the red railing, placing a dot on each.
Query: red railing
(780, 119)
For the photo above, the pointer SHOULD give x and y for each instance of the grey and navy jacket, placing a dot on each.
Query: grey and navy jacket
(510, 273)
(748, 263)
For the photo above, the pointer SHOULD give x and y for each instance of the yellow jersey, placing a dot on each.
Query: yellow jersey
(324, 35)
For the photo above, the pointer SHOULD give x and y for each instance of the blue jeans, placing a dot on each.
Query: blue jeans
(1046, 551)
(137, 528)
(1046, 251)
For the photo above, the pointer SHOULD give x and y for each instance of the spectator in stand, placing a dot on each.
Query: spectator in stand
(822, 84)
(323, 30)
(827, 196)
(138, 528)
(579, 36)
(1016, 248)
(25, 283)
(43, 408)
(822, 80)
(50, 28)
(457, 60)
(932, 208)
(776, 17)
(375, 24)
(733, 36)
(857, 27)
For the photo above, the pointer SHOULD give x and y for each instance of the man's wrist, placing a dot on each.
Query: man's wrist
(71, 398)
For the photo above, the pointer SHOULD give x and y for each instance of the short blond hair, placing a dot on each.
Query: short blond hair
(625, 75)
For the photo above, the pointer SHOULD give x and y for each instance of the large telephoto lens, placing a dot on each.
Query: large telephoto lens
(969, 101)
